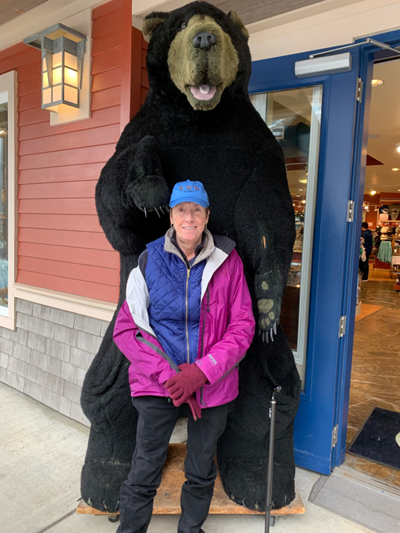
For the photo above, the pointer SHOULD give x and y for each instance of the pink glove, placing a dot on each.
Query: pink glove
(185, 383)
(194, 407)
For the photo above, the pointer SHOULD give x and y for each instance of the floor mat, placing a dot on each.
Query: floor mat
(359, 498)
(376, 440)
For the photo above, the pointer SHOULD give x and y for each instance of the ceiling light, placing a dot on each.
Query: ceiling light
(2, 131)
(377, 83)
(395, 169)
(303, 201)
(303, 181)
(372, 192)
(398, 147)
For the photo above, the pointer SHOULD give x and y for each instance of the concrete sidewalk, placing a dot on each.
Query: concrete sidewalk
(42, 453)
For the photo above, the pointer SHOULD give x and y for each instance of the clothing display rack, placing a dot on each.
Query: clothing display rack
(386, 240)
(395, 260)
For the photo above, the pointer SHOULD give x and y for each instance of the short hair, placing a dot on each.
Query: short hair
(365, 225)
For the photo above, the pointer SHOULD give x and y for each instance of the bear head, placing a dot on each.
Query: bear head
(198, 51)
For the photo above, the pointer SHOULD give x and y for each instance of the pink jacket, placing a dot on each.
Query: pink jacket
(226, 329)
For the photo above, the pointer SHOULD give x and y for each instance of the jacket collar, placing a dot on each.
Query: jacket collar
(207, 246)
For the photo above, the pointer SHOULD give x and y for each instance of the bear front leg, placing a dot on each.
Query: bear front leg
(268, 306)
(146, 186)
(264, 221)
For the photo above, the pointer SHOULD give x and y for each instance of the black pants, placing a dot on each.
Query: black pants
(364, 267)
(157, 419)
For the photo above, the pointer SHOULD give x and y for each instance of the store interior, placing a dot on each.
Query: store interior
(375, 378)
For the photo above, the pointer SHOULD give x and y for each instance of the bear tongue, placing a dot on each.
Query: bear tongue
(203, 92)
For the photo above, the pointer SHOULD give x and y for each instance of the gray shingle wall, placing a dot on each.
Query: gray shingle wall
(48, 354)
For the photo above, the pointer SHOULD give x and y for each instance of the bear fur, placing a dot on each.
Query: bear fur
(221, 141)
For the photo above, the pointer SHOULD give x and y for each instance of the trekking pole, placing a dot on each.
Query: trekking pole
(272, 413)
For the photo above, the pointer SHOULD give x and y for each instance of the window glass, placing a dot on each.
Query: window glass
(3, 210)
(294, 118)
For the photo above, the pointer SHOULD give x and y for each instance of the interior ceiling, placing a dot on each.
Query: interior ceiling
(384, 129)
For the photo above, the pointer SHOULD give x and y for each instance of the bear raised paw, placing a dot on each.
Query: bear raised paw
(198, 123)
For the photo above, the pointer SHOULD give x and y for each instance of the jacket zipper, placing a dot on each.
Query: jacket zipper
(187, 312)
(202, 342)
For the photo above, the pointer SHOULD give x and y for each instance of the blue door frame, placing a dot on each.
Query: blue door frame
(341, 177)
(368, 55)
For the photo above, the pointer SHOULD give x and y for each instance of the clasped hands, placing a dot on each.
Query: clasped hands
(183, 385)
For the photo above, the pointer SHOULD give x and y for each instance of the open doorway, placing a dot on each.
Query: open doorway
(375, 377)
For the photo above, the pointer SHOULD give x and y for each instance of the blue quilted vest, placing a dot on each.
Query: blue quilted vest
(174, 310)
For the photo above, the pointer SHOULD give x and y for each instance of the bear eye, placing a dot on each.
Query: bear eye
(183, 25)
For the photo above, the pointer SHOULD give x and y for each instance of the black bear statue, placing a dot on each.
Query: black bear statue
(198, 123)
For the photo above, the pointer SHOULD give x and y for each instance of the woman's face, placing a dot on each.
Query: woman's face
(189, 220)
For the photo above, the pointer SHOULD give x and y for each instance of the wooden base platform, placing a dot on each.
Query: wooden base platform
(168, 495)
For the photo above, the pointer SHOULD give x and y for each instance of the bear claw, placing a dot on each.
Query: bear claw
(163, 209)
(268, 335)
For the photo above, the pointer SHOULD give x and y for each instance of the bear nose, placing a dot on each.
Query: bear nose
(204, 40)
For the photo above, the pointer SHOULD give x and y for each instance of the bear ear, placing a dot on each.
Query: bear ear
(151, 22)
(237, 20)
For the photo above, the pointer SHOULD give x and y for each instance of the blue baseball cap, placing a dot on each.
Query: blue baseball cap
(189, 191)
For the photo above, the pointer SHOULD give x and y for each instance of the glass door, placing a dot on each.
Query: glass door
(313, 119)
(294, 117)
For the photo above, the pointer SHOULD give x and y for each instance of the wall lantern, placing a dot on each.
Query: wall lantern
(62, 63)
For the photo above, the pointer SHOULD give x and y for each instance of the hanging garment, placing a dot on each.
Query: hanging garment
(385, 252)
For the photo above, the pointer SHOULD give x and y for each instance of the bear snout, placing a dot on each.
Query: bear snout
(204, 40)
(202, 62)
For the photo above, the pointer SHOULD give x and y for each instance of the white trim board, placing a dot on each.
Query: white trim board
(8, 85)
(67, 302)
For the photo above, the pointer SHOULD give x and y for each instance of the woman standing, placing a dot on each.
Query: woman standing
(185, 325)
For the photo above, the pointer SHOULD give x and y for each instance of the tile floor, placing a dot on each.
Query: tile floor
(375, 377)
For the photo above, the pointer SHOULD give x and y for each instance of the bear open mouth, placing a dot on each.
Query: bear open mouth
(203, 92)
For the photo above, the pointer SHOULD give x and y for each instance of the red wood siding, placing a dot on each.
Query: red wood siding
(144, 85)
(61, 245)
